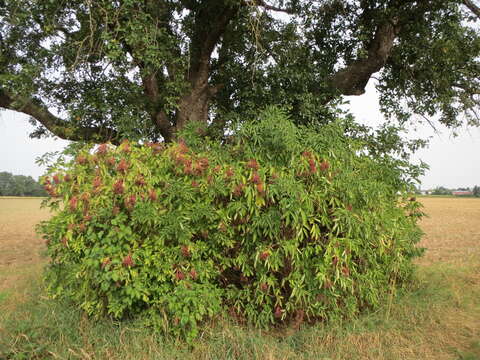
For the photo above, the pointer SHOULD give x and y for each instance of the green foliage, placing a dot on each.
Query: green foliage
(19, 185)
(476, 191)
(279, 224)
(137, 69)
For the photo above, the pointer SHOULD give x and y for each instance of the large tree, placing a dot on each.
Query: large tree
(101, 70)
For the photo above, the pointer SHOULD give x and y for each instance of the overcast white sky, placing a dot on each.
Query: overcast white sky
(452, 161)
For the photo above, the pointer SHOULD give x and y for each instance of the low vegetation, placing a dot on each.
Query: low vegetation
(437, 319)
(281, 225)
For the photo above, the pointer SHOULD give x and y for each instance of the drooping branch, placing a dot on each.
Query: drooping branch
(353, 79)
(472, 7)
(57, 126)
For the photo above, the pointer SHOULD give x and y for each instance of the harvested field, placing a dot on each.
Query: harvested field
(452, 230)
(19, 245)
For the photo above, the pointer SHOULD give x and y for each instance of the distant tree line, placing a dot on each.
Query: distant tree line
(440, 190)
(19, 185)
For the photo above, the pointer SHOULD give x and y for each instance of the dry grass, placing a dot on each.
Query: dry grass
(439, 319)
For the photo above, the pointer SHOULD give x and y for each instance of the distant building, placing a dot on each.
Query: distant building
(462, 193)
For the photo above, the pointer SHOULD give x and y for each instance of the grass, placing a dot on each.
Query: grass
(438, 319)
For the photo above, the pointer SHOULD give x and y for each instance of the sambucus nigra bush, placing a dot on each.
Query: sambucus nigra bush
(280, 223)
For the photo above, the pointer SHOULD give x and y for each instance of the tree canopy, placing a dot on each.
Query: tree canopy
(104, 70)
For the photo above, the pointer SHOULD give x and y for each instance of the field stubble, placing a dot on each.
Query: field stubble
(452, 230)
(439, 319)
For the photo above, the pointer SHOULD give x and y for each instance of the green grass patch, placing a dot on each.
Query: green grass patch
(3, 296)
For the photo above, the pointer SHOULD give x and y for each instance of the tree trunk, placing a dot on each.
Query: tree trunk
(193, 107)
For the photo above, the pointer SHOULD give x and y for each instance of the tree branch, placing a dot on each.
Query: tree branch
(164, 125)
(472, 7)
(210, 24)
(352, 79)
(57, 126)
(472, 90)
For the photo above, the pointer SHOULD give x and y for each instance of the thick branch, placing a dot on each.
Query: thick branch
(164, 126)
(352, 79)
(472, 7)
(57, 126)
(159, 116)
(211, 21)
(210, 24)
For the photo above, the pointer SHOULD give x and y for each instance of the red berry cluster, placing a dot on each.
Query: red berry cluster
(122, 166)
(201, 166)
(111, 161)
(156, 147)
(278, 312)
(324, 165)
(97, 182)
(229, 173)
(238, 190)
(140, 181)
(102, 149)
(81, 160)
(128, 261)
(152, 195)
(311, 162)
(118, 187)
(73, 203)
(252, 164)
(130, 202)
(193, 274)
(255, 179)
(179, 275)
(185, 251)
(125, 147)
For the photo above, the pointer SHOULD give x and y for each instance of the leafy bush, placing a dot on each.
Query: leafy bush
(277, 224)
